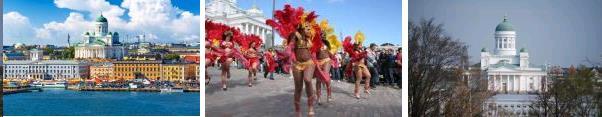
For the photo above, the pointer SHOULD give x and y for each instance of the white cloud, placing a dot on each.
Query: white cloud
(75, 25)
(158, 19)
(17, 28)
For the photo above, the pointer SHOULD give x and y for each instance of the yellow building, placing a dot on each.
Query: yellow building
(102, 71)
(192, 72)
(173, 72)
(179, 72)
(129, 70)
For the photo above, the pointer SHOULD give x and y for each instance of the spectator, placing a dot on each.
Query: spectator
(372, 65)
(390, 67)
(398, 61)
(335, 71)
(383, 66)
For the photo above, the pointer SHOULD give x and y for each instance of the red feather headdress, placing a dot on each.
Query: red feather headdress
(286, 20)
(214, 32)
(247, 39)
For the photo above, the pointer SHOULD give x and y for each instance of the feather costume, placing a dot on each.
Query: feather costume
(348, 47)
(286, 22)
(215, 33)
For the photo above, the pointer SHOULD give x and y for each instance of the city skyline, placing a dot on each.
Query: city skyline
(180, 20)
(558, 33)
(368, 17)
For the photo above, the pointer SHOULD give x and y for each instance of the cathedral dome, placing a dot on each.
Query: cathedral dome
(504, 26)
(101, 19)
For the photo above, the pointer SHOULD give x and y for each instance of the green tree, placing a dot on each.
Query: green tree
(171, 57)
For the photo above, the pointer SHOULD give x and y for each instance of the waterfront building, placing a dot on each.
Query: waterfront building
(192, 72)
(102, 70)
(45, 70)
(100, 43)
(173, 72)
(509, 74)
(251, 21)
(129, 70)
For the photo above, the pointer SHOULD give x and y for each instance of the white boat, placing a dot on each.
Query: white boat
(133, 86)
(170, 90)
(59, 84)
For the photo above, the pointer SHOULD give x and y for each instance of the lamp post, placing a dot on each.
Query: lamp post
(273, 13)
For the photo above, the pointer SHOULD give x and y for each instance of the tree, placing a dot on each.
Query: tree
(434, 88)
(67, 53)
(171, 57)
(573, 96)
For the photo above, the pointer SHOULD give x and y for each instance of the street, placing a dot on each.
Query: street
(275, 98)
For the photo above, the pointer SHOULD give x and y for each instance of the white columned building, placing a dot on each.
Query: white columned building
(251, 21)
(100, 43)
(509, 74)
(58, 70)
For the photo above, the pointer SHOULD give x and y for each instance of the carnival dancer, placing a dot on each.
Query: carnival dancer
(303, 41)
(249, 45)
(271, 63)
(325, 58)
(227, 37)
(358, 63)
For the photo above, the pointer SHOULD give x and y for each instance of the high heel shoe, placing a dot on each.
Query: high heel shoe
(311, 114)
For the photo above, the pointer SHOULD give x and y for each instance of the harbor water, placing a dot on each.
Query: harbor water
(62, 102)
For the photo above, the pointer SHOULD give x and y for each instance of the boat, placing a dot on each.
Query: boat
(171, 90)
(133, 86)
(59, 84)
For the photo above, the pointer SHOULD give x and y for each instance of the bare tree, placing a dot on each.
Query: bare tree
(436, 65)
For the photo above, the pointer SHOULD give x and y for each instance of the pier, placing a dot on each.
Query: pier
(7, 91)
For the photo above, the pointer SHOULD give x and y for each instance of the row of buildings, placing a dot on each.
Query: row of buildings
(61, 70)
(100, 55)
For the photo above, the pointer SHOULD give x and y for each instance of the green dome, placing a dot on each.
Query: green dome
(523, 50)
(504, 26)
(101, 19)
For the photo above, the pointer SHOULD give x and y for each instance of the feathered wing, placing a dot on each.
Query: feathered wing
(316, 40)
(359, 38)
(286, 20)
(332, 39)
(347, 45)
(334, 43)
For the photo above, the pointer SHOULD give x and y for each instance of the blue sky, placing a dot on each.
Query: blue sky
(38, 13)
(558, 32)
(32, 8)
(380, 21)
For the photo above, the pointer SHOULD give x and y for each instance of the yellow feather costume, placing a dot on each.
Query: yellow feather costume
(334, 43)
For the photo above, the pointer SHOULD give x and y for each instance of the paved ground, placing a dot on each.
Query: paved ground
(275, 98)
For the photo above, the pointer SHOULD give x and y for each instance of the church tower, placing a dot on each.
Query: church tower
(505, 38)
(101, 26)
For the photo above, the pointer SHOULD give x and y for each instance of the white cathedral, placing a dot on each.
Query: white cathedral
(510, 75)
(99, 43)
(251, 21)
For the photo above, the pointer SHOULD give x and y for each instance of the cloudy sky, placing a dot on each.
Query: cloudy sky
(558, 32)
(49, 21)
(379, 21)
